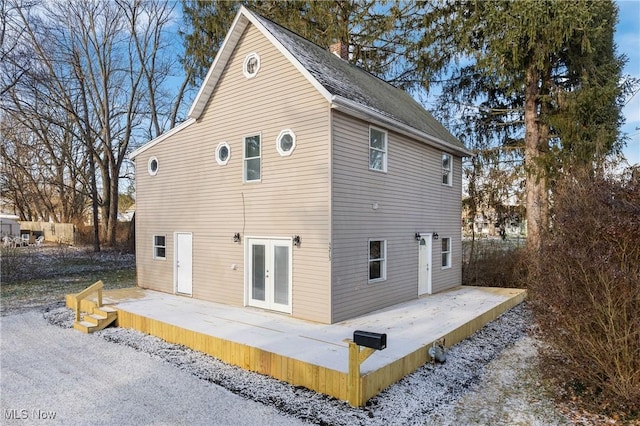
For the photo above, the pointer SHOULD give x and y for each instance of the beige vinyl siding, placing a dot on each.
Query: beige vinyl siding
(192, 193)
(410, 198)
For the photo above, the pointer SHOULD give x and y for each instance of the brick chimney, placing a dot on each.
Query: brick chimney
(340, 49)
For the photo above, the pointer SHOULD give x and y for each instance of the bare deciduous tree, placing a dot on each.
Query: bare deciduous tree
(98, 84)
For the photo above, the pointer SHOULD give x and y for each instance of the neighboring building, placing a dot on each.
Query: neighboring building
(506, 221)
(300, 184)
(127, 215)
(9, 225)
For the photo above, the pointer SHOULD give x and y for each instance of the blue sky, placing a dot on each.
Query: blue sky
(627, 38)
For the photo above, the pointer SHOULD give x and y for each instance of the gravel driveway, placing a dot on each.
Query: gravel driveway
(71, 378)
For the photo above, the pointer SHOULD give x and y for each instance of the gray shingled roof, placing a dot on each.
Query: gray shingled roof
(341, 78)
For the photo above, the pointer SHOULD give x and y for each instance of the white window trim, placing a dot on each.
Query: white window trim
(386, 149)
(280, 136)
(153, 172)
(219, 160)
(153, 241)
(244, 65)
(449, 171)
(448, 253)
(244, 158)
(383, 259)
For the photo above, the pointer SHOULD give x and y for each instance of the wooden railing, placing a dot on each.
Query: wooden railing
(96, 287)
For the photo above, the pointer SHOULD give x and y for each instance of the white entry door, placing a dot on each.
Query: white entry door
(183, 263)
(424, 265)
(268, 280)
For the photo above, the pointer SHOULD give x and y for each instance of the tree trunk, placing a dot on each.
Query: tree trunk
(536, 190)
(94, 199)
(112, 224)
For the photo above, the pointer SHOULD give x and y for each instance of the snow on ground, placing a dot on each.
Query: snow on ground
(489, 378)
(55, 376)
(54, 260)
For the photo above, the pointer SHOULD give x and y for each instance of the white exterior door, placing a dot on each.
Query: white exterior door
(424, 265)
(183, 263)
(268, 280)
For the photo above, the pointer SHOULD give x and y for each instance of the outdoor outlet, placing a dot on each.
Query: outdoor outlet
(234, 267)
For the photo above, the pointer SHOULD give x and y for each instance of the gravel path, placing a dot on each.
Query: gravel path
(490, 378)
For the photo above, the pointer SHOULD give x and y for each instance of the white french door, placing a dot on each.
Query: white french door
(268, 280)
(424, 264)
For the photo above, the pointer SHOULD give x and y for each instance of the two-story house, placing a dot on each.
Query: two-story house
(299, 183)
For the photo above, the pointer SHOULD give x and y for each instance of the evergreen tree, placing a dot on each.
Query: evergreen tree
(377, 32)
(539, 78)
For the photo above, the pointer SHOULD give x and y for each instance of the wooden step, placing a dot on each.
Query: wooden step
(101, 318)
(106, 311)
(84, 326)
(95, 319)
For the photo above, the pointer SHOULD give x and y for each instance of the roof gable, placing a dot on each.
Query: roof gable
(343, 85)
(243, 18)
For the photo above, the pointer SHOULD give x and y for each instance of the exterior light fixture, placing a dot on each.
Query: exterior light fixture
(435, 236)
(418, 236)
(236, 237)
(296, 240)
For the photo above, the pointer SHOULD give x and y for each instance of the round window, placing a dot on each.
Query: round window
(251, 65)
(223, 152)
(153, 166)
(286, 142)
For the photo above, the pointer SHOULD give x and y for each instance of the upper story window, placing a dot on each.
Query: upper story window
(252, 158)
(286, 142)
(377, 149)
(159, 247)
(251, 65)
(223, 152)
(152, 166)
(447, 170)
(446, 252)
(377, 260)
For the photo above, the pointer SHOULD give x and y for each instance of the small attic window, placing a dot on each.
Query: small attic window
(286, 142)
(223, 152)
(152, 166)
(251, 65)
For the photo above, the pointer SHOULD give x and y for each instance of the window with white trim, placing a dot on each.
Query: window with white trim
(377, 260)
(252, 154)
(447, 174)
(446, 252)
(159, 246)
(223, 152)
(251, 65)
(152, 166)
(286, 142)
(377, 149)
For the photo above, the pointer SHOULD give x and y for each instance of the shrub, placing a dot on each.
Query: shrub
(493, 262)
(125, 238)
(585, 289)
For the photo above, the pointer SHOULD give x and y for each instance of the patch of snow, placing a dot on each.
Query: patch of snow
(434, 394)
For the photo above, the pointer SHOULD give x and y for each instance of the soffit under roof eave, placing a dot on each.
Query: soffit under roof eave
(215, 71)
(353, 108)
